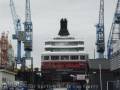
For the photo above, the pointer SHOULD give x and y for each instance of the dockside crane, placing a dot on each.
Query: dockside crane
(28, 27)
(25, 36)
(100, 42)
(114, 34)
(18, 32)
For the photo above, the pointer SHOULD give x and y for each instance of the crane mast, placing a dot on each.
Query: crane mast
(28, 30)
(28, 27)
(114, 34)
(17, 27)
(100, 42)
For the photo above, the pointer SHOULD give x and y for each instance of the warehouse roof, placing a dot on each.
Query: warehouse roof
(96, 63)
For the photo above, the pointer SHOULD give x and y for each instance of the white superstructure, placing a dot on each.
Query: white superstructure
(64, 48)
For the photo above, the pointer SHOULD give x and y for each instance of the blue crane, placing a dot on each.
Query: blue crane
(28, 30)
(100, 42)
(17, 27)
(28, 27)
(23, 36)
(114, 34)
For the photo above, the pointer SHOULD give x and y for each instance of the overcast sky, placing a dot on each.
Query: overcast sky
(82, 16)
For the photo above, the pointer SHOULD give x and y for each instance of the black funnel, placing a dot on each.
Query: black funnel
(63, 28)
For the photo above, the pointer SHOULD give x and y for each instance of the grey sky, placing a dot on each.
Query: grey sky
(82, 15)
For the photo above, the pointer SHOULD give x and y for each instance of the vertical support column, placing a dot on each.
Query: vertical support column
(100, 77)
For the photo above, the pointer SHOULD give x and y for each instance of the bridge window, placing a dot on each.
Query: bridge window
(46, 57)
(82, 57)
(54, 57)
(64, 57)
(75, 57)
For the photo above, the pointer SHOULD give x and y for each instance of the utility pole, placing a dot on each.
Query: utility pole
(100, 77)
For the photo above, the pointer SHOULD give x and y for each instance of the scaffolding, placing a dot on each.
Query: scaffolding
(4, 51)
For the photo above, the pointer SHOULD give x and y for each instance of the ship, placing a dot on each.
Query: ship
(64, 59)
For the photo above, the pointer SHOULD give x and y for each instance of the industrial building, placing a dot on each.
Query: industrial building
(99, 74)
(6, 77)
(115, 64)
(115, 61)
(64, 59)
